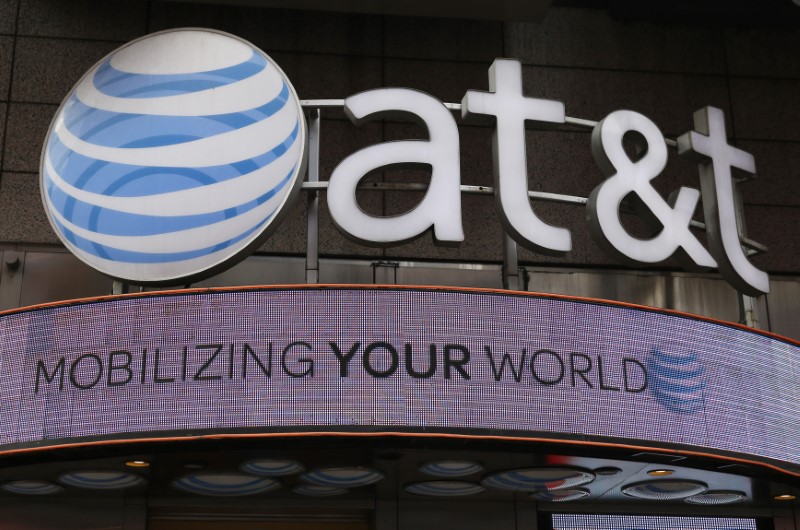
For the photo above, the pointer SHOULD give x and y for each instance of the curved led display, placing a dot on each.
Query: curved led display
(349, 359)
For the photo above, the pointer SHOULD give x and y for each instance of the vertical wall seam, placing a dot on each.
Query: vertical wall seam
(15, 33)
(727, 72)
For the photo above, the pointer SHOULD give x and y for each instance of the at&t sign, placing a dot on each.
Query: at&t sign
(178, 154)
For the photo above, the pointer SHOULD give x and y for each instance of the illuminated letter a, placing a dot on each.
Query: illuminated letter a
(440, 209)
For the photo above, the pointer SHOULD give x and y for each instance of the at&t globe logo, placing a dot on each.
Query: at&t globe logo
(676, 380)
(173, 156)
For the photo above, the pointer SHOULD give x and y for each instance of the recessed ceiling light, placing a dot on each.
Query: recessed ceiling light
(272, 467)
(444, 488)
(314, 490)
(343, 477)
(560, 495)
(137, 463)
(100, 480)
(450, 468)
(225, 484)
(538, 479)
(717, 497)
(32, 487)
(785, 497)
(664, 490)
(660, 472)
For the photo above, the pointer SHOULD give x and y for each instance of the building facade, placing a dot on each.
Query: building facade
(596, 59)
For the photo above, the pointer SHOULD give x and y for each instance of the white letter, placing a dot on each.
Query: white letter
(627, 176)
(709, 147)
(511, 108)
(441, 206)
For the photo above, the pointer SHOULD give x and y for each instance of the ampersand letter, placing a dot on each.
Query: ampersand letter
(627, 176)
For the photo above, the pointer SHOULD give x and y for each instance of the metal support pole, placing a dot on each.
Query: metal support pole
(510, 264)
(312, 250)
(11, 279)
(119, 287)
(384, 272)
(748, 305)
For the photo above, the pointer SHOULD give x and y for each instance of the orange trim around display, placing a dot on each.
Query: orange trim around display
(390, 434)
(390, 287)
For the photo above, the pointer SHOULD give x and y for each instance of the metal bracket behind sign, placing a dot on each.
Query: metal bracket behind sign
(748, 307)
(312, 250)
(11, 278)
(511, 278)
(384, 272)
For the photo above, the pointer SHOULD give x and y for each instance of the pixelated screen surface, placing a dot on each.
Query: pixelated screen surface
(343, 359)
(649, 522)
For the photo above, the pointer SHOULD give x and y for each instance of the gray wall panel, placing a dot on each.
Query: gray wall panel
(457, 275)
(120, 20)
(26, 128)
(778, 228)
(6, 52)
(711, 297)
(51, 276)
(22, 216)
(667, 99)
(328, 76)
(276, 30)
(443, 39)
(346, 272)
(45, 70)
(3, 110)
(593, 38)
(8, 15)
(784, 307)
(631, 287)
(777, 179)
(260, 270)
(756, 52)
(447, 81)
(766, 108)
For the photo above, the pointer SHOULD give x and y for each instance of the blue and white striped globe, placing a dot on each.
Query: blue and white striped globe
(173, 156)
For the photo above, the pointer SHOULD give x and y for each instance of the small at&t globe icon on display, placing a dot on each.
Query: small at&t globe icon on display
(173, 157)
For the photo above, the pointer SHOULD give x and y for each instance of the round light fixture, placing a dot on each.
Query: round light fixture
(660, 472)
(137, 463)
(225, 484)
(272, 467)
(343, 477)
(450, 468)
(560, 495)
(538, 479)
(444, 488)
(101, 480)
(664, 490)
(717, 497)
(32, 487)
(785, 497)
(314, 490)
